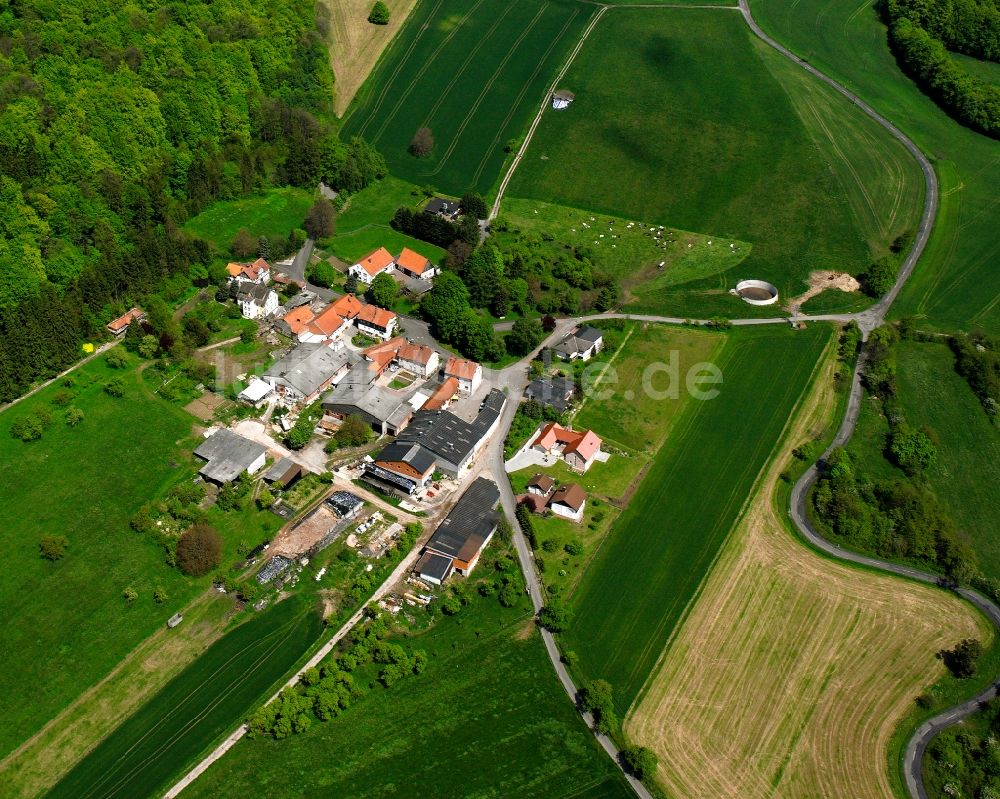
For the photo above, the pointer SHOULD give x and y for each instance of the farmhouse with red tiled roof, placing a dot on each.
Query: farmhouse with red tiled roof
(372, 265)
(578, 449)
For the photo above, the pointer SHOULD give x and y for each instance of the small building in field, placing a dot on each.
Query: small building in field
(439, 206)
(469, 528)
(415, 265)
(257, 300)
(418, 358)
(433, 568)
(540, 485)
(583, 344)
(119, 327)
(376, 322)
(372, 265)
(562, 98)
(259, 272)
(578, 449)
(569, 501)
(228, 455)
(469, 374)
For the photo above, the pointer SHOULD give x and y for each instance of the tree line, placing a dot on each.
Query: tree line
(920, 35)
(115, 127)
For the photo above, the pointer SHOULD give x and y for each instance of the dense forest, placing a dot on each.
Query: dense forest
(923, 31)
(117, 123)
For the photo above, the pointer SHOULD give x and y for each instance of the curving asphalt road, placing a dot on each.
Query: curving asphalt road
(867, 320)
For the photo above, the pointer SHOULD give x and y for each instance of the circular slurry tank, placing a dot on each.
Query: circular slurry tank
(756, 292)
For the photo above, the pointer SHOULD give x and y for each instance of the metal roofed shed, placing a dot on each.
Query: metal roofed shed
(256, 392)
(433, 568)
(345, 504)
(464, 534)
(228, 455)
(284, 471)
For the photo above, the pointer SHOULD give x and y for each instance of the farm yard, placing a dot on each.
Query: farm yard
(808, 666)
(665, 542)
(204, 701)
(683, 118)
(486, 712)
(84, 482)
(955, 285)
(474, 72)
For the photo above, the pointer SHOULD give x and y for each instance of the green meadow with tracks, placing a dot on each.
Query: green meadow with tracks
(683, 118)
(956, 285)
(634, 593)
(474, 72)
(207, 699)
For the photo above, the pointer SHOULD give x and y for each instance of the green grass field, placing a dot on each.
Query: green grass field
(203, 702)
(363, 225)
(474, 72)
(487, 718)
(956, 284)
(68, 625)
(274, 213)
(683, 118)
(653, 561)
(630, 254)
(988, 71)
(622, 410)
(967, 472)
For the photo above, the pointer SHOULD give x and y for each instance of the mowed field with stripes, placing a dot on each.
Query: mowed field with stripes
(474, 72)
(635, 592)
(206, 700)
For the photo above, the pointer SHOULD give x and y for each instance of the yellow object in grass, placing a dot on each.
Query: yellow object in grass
(88, 348)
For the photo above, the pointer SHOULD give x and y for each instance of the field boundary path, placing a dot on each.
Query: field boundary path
(99, 351)
(397, 573)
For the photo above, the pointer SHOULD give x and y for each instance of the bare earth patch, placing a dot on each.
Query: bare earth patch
(792, 672)
(820, 281)
(355, 44)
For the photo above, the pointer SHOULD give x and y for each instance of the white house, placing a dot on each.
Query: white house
(469, 374)
(417, 358)
(372, 265)
(569, 501)
(257, 301)
(583, 344)
(376, 322)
